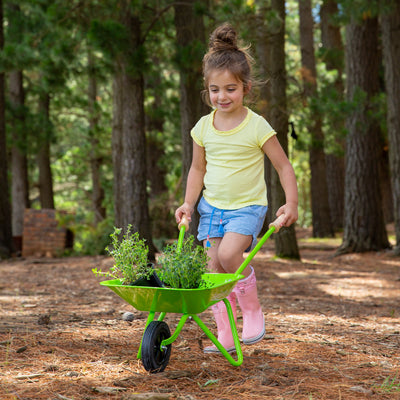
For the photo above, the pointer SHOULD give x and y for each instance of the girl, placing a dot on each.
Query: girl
(228, 160)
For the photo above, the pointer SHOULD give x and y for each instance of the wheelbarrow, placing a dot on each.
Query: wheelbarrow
(155, 346)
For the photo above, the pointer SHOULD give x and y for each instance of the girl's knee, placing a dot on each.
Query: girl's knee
(224, 257)
(229, 258)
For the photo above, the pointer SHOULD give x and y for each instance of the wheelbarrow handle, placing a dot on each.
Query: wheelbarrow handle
(278, 223)
(183, 226)
(184, 222)
(274, 226)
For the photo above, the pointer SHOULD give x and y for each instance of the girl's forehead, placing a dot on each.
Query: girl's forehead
(222, 77)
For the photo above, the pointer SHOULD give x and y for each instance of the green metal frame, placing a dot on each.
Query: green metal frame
(205, 329)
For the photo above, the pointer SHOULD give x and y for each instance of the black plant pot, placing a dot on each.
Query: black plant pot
(152, 281)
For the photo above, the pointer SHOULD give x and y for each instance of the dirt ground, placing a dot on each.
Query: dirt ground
(333, 332)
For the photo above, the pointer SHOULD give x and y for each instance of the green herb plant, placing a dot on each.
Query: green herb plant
(183, 268)
(130, 256)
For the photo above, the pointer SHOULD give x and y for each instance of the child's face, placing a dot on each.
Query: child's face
(226, 91)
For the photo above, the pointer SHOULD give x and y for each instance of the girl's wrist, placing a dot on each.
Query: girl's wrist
(189, 206)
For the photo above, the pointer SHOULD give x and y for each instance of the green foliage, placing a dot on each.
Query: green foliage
(361, 10)
(130, 257)
(91, 239)
(183, 268)
(109, 36)
(303, 173)
(390, 385)
(180, 268)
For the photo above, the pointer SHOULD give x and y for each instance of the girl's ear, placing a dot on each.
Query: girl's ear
(247, 88)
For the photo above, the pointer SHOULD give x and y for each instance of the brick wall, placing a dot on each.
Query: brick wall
(42, 237)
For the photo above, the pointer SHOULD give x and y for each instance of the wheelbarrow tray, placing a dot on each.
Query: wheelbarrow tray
(215, 287)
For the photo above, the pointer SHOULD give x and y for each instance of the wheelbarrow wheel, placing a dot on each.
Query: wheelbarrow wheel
(155, 358)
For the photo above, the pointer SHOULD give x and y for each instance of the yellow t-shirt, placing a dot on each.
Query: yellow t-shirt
(235, 161)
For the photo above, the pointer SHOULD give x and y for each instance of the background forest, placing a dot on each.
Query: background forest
(97, 99)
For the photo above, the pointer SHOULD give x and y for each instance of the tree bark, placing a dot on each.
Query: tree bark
(190, 38)
(364, 228)
(334, 60)
(285, 240)
(391, 51)
(154, 123)
(19, 168)
(5, 208)
(43, 156)
(129, 140)
(263, 48)
(95, 159)
(321, 219)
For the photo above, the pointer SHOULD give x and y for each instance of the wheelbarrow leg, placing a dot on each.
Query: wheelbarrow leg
(150, 318)
(178, 329)
(217, 343)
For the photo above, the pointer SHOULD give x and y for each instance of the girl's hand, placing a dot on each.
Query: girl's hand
(291, 213)
(184, 209)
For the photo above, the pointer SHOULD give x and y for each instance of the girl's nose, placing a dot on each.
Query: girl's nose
(221, 95)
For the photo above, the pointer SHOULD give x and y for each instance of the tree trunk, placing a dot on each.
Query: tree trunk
(116, 144)
(19, 169)
(190, 38)
(385, 180)
(95, 159)
(285, 240)
(333, 56)
(161, 201)
(364, 228)
(263, 48)
(129, 140)
(391, 51)
(43, 155)
(155, 146)
(5, 208)
(321, 219)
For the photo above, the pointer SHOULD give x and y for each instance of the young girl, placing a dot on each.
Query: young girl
(228, 160)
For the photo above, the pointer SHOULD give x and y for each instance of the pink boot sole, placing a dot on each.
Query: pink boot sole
(214, 350)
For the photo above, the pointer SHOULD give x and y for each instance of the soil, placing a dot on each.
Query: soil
(333, 332)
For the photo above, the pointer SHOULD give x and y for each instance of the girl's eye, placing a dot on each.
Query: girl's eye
(231, 90)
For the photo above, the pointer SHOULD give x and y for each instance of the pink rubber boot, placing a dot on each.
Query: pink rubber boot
(253, 317)
(224, 329)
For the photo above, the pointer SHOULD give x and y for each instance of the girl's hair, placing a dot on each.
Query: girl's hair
(224, 53)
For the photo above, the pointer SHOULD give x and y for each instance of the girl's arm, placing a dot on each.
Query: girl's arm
(194, 184)
(275, 153)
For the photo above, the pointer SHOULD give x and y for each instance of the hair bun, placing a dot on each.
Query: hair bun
(224, 38)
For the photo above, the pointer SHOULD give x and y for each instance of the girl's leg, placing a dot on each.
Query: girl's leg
(212, 252)
(230, 252)
(219, 309)
(225, 336)
(230, 256)
(253, 317)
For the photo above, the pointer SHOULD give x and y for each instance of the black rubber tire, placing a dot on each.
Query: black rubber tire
(154, 358)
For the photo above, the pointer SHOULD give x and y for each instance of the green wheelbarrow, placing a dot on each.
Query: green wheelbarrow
(155, 346)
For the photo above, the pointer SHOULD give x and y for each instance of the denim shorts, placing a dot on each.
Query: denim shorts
(215, 222)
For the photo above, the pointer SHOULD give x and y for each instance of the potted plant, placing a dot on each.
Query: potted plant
(130, 255)
(183, 267)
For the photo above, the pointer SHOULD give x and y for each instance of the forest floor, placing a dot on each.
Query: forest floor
(333, 332)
